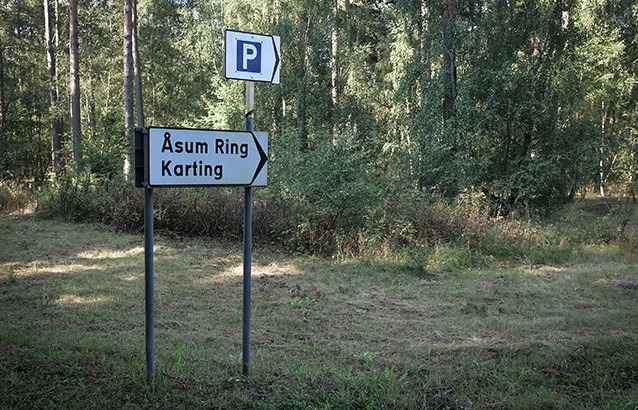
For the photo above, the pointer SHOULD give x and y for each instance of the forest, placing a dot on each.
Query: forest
(382, 106)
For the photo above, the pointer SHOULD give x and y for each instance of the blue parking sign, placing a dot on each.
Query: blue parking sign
(248, 56)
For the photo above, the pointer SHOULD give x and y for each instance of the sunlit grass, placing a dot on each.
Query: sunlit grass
(110, 254)
(70, 299)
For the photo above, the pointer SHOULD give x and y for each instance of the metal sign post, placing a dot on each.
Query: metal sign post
(248, 240)
(141, 178)
(149, 284)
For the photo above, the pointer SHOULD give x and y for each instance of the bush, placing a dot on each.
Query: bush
(182, 211)
(90, 199)
(104, 152)
(325, 197)
(437, 235)
(343, 212)
(13, 196)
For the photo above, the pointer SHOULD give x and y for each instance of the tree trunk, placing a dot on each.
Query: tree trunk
(565, 17)
(56, 141)
(530, 134)
(333, 56)
(128, 92)
(633, 167)
(2, 102)
(303, 69)
(449, 60)
(137, 69)
(335, 69)
(76, 129)
(426, 80)
(3, 143)
(602, 150)
(301, 119)
(56, 35)
(108, 76)
(426, 42)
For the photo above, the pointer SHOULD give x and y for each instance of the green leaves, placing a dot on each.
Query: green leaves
(551, 81)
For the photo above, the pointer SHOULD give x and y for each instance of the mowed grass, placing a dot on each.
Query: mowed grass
(325, 333)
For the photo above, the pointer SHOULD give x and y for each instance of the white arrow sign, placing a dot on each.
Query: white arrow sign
(251, 57)
(190, 157)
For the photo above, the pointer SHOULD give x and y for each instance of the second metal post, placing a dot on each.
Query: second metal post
(149, 285)
(248, 239)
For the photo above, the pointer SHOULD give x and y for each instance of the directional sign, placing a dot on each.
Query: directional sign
(191, 157)
(252, 57)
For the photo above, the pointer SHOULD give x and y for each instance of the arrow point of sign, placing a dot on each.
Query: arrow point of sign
(277, 60)
(274, 46)
(263, 158)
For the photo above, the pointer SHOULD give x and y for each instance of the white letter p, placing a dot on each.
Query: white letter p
(250, 53)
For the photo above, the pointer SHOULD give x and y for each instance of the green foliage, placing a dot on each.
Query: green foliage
(540, 111)
(536, 184)
(202, 212)
(421, 232)
(329, 193)
(104, 152)
(24, 120)
(301, 302)
(11, 276)
(442, 237)
(364, 390)
(544, 106)
(365, 357)
(90, 199)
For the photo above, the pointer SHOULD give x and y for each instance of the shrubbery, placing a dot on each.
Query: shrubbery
(328, 200)
(13, 196)
(424, 232)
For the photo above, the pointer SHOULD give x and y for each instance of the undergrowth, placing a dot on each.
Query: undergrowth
(424, 232)
(14, 196)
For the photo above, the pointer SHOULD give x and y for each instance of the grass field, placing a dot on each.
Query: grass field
(325, 333)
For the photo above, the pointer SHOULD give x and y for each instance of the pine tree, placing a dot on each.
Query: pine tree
(128, 92)
(76, 125)
(56, 125)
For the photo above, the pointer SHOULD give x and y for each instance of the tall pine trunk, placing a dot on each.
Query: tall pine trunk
(449, 60)
(334, 62)
(426, 76)
(76, 128)
(137, 69)
(601, 168)
(56, 141)
(56, 36)
(3, 144)
(129, 143)
(565, 15)
(2, 102)
(302, 70)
